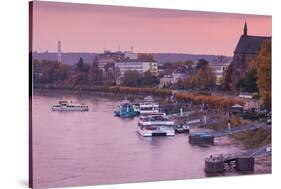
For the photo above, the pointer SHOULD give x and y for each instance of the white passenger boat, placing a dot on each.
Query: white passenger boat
(148, 106)
(136, 107)
(156, 125)
(65, 105)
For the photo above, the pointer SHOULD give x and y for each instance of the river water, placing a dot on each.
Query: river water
(94, 147)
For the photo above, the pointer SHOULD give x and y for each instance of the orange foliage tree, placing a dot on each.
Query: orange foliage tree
(263, 65)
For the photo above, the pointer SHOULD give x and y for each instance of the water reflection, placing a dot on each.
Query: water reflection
(95, 147)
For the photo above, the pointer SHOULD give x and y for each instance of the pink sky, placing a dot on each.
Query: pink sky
(93, 28)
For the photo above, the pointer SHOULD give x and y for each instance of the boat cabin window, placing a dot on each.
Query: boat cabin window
(158, 118)
(146, 108)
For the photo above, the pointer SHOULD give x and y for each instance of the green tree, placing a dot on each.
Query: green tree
(82, 75)
(80, 66)
(249, 82)
(131, 78)
(149, 79)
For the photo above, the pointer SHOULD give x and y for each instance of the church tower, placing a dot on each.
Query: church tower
(245, 29)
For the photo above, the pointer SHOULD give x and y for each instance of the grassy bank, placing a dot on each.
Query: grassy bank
(254, 138)
(250, 139)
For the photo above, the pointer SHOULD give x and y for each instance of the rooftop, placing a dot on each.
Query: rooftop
(249, 44)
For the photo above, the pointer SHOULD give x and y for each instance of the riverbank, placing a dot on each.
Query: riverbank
(263, 165)
(250, 139)
(106, 139)
(218, 102)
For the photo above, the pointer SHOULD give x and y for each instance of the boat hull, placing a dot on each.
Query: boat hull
(150, 133)
(69, 109)
(125, 114)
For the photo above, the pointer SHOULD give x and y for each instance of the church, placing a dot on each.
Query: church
(246, 50)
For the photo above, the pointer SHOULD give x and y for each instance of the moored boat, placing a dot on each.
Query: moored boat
(156, 125)
(126, 110)
(182, 128)
(148, 106)
(136, 107)
(66, 105)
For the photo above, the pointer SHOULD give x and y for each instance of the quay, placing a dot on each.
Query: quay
(208, 137)
(242, 161)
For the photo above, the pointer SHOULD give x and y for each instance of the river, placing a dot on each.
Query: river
(94, 147)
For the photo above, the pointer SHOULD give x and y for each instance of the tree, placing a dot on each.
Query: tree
(249, 82)
(202, 63)
(109, 77)
(180, 84)
(61, 73)
(93, 73)
(80, 66)
(227, 77)
(204, 77)
(131, 78)
(263, 62)
(149, 79)
(82, 73)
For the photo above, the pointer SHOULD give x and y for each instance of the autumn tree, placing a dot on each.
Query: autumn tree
(204, 77)
(180, 84)
(49, 71)
(227, 80)
(263, 63)
(202, 63)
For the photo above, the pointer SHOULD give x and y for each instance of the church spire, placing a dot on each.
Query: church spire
(245, 29)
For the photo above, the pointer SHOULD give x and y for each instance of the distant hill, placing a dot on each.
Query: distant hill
(173, 57)
(67, 58)
(73, 57)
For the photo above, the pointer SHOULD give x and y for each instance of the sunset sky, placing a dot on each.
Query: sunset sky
(93, 28)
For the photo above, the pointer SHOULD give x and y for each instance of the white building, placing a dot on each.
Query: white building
(138, 66)
(130, 55)
(166, 80)
(134, 65)
(218, 71)
(181, 73)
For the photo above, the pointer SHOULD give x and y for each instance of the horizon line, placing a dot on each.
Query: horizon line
(133, 52)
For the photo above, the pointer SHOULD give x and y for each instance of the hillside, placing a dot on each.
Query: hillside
(73, 57)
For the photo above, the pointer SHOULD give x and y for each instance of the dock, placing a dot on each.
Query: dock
(208, 137)
(242, 161)
(180, 114)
